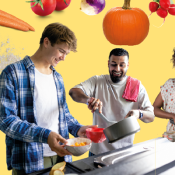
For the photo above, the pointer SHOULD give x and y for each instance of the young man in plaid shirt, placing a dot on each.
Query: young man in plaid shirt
(33, 109)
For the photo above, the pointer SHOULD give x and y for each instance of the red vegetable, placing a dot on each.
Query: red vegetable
(153, 6)
(62, 4)
(162, 12)
(171, 9)
(43, 7)
(165, 4)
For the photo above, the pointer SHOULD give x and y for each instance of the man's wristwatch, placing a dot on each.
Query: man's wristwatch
(140, 114)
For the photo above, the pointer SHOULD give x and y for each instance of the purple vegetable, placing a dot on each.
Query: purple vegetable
(92, 7)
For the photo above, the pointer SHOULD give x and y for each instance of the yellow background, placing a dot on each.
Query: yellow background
(149, 61)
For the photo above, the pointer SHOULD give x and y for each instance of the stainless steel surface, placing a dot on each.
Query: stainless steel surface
(119, 130)
(160, 160)
(159, 157)
(115, 157)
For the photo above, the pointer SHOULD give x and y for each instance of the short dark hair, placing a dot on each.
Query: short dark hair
(58, 33)
(119, 52)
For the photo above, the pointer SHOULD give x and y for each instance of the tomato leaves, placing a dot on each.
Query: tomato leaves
(36, 2)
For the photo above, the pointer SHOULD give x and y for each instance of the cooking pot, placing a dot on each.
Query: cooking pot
(118, 130)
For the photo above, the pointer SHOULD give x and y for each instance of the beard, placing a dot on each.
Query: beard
(116, 79)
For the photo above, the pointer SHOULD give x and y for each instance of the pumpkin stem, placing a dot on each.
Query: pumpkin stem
(126, 4)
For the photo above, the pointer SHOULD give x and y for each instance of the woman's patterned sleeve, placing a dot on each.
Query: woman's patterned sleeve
(165, 92)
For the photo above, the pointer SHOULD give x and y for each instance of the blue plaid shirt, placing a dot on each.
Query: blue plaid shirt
(24, 137)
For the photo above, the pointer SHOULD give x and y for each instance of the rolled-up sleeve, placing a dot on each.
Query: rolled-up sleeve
(88, 86)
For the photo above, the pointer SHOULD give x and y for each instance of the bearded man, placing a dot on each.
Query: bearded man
(117, 96)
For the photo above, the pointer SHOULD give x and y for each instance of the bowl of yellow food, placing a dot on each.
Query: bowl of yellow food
(78, 146)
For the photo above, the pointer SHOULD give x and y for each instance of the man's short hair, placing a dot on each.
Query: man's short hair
(58, 33)
(119, 52)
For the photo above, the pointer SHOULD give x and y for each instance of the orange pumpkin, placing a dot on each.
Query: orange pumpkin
(125, 25)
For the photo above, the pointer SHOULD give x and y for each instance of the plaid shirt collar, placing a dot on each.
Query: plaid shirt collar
(29, 63)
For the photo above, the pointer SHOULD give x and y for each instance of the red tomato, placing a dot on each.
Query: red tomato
(61, 5)
(48, 6)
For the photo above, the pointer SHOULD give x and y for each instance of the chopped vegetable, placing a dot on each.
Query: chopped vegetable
(79, 144)
(92, 7)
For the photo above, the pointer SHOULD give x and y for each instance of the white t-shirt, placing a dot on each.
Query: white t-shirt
(47, 111)
(115, 108)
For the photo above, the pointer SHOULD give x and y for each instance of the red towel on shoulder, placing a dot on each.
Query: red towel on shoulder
(131, 90)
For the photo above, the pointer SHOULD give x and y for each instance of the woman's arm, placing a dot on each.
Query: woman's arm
(158, 104)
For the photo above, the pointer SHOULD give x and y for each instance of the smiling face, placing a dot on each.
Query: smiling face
(55, 54)
(118, 66)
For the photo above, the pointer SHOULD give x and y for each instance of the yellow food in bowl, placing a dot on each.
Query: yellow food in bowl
(79, 148)
(79, 144)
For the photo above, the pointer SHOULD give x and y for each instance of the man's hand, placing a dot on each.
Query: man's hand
(134, 113)
(53, 142)
(82, 131)
(79, 96)
(94, 104)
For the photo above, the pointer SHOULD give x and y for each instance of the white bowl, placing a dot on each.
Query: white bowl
(78, 150)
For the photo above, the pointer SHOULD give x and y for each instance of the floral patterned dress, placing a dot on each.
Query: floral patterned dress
(168, 96)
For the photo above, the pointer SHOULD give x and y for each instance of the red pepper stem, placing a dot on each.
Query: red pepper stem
(126, 4)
